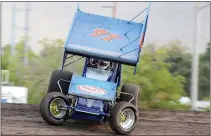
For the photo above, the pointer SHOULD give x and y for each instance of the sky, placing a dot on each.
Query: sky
(168, 21)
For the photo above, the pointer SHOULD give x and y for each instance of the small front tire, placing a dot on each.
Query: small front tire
(53, 108)
(123, 117)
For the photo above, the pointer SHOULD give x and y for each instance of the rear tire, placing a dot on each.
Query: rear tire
(117, 121)
(131, 89)
(46, 111)
(57, 75)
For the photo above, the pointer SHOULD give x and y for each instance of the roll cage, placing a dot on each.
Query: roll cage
(116, 69)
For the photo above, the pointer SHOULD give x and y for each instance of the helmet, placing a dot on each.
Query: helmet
(99, 64)
(103, 65)
(94, 62)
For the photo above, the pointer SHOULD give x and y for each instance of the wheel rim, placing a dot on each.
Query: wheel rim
(127, 119)
(57, 108)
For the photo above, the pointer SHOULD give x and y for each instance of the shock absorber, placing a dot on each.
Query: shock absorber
(72, 104)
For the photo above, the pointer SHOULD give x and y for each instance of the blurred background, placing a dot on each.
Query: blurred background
(174, 68)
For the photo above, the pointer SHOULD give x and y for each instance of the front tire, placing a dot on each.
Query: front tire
(51, 108)
(123, 118)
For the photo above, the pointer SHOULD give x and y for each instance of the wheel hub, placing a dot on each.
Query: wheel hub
(55, 108)
(127, 119)
(123, 117)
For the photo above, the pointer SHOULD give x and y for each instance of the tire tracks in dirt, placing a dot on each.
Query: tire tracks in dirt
(25, 119)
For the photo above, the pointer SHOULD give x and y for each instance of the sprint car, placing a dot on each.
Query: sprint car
(105, 44)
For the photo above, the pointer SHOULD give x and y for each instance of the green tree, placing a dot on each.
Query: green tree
(204, 74)
(15, 63)
(180, 62)
(5, 57)
(35, 76)
(156, 82)
(49, 60)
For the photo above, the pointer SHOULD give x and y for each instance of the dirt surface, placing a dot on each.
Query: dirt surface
(20, 119)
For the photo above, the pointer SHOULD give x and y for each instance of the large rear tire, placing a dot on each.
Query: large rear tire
(57, 75)
(123, 118)
(51, 108)
(131, 89)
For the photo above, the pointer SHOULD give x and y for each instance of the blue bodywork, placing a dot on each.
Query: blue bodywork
(80, 41)
(107, 90)
(125, 49)
(115, 40)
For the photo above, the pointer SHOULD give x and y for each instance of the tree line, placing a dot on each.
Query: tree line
(163, 74)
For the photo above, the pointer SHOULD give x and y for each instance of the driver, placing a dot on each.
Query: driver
(100, 64)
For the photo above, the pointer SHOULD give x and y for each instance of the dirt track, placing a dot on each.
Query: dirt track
(26, 120)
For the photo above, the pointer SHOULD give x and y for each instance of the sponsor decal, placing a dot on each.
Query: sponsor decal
(98, 32)
(91, 89)
(110, 36)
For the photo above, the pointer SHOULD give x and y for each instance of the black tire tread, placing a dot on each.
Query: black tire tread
(114, 115)
(132, 89)
(55, 76)
(44, 108)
